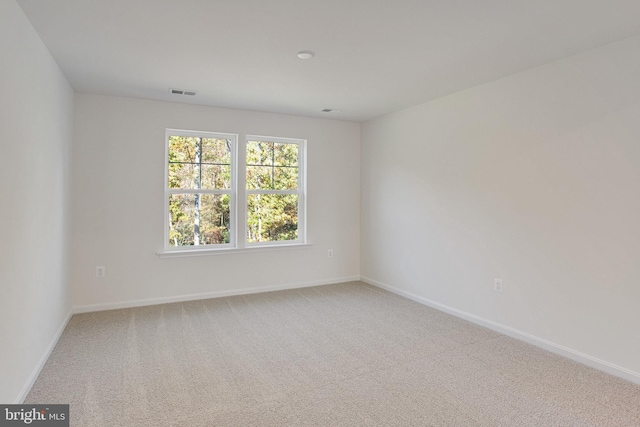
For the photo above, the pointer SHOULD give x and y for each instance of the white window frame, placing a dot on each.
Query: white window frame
(238, 196)
(301, 192)
(233, 211)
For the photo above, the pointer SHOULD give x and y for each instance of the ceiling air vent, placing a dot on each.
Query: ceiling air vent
(182, 92)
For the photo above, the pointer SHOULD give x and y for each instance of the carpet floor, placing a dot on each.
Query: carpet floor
(335, 355)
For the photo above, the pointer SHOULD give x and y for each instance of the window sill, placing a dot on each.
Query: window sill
(231, 251)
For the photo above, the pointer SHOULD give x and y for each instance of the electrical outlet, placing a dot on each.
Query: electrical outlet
(330, 253)
(101, 271)
(497, 285)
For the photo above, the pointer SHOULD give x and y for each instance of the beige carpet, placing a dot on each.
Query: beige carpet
(338, 355)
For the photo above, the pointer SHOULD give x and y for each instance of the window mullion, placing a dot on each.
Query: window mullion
(241, 189)
(273, 192)
(197, 191)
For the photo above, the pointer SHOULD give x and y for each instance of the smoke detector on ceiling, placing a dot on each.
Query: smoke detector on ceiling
(182, 92)
(306, 54)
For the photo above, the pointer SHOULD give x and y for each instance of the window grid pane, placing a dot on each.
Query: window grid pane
(272, 165)
(199, 219)
(194, 159)
(272, 217)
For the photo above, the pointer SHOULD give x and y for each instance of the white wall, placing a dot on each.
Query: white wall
(535, 179)
(118, 204)
(35, 136)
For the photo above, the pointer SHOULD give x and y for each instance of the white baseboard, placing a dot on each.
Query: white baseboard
(577, 356)
(207, 295)
(43, 359)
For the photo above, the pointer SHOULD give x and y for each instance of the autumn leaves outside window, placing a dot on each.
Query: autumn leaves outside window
(202, 195)
(272, 210)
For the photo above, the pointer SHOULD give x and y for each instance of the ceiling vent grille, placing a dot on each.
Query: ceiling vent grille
(182, 92)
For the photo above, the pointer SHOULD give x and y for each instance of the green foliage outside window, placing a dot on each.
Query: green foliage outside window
(200, 185)
(272, 166)
(199, 163)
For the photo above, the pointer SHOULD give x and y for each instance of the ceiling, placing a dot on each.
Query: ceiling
(373, 57)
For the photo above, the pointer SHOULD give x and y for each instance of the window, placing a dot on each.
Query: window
(200, 189)
(275, 200)
(221, 196)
